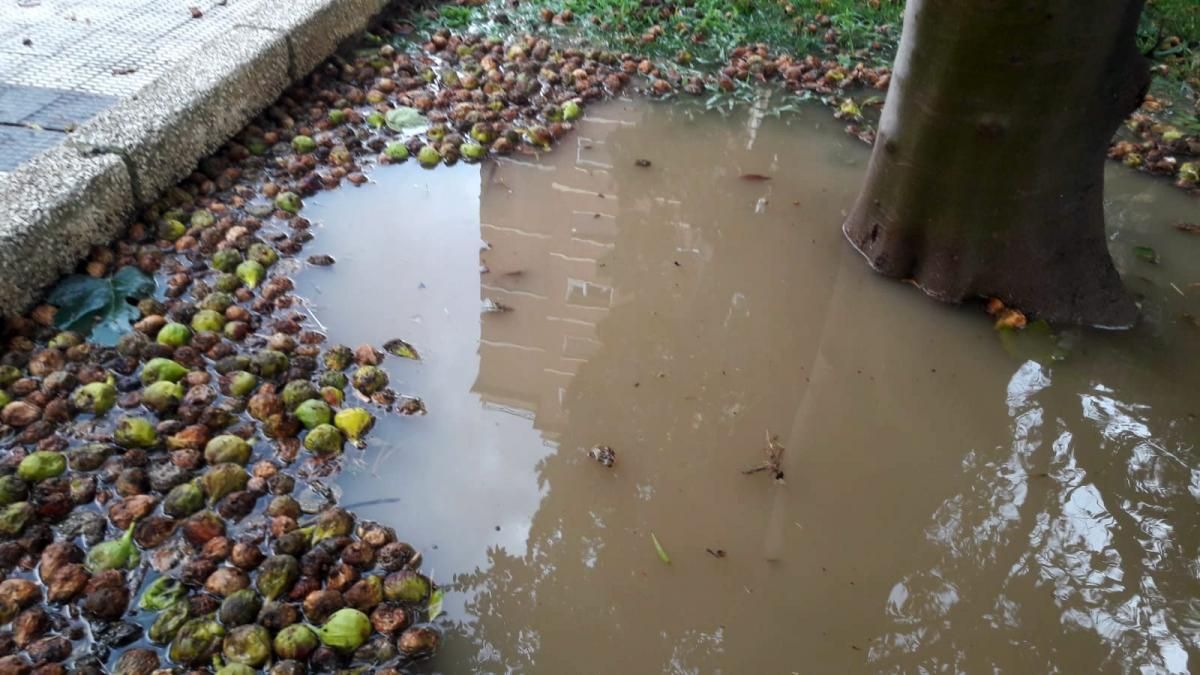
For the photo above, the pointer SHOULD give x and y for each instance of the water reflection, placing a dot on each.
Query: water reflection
(947, 508)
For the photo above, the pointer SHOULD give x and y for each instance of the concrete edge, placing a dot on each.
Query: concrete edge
(58, 205)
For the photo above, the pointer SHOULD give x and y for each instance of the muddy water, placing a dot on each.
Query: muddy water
(952, 501)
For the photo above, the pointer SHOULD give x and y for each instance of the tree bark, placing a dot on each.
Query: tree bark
(987, 174)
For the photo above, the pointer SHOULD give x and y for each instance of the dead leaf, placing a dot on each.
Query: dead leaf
(717, 553)
(1010, 318)
(124, 71)
(196, 13)
(755, 177)
(1190, 228)
(643, 163)
(774, 461)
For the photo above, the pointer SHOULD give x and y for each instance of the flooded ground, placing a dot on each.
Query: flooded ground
(953, 501)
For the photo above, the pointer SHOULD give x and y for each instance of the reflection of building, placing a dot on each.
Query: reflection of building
(549, 236)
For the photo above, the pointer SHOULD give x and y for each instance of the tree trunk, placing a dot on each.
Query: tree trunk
(987, 174)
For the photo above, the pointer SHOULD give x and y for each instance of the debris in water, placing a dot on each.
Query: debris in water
(1190, 228)
(490, 306)
(124, 71)
(643, 163)
(716, 553)
(603, 454)
(410, 405)
(1006, 317)
(320, 260)
(662, 553)
(1147, 254)
(398, 347)
(196, 13)
(774, 458)
(755, 177)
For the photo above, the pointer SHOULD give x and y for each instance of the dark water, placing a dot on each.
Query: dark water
(954, 501)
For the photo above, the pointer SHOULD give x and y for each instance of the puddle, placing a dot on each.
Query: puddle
(950, 504)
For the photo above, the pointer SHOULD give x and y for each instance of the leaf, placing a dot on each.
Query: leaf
(403, 118)
(78, 297)
(1146, 253)
(662, 553)
(100, 306)
(755, 177)
(402, 349)
(1190, 228)
(435, 604)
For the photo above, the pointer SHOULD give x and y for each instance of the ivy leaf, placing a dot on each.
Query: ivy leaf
(100, 306)
(404, 118)
(435, 604)
(1146, 254)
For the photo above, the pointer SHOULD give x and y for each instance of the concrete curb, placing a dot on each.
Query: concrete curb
(80, 194)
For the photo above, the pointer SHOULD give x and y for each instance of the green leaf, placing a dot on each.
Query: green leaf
(435, 604)
(1146, 253)
(404, 118)
(402, 349)
(100, 306)
(662, 552)
(131, 282)
(78, 297)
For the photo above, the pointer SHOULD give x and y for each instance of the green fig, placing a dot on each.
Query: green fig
(135, 432)
(115, 554)
(428, 156)
(241, 383)
(276, 575)
(162, 396)
(407, 586)
(369, 379)
(12, 489)
(162, 369)
(227, 448)
(174, 335)
(346, 630)
(240, 608)
(95, 397)
(226, 260)
(354, 422)
(297, 641)
(324, 439)
(202, 219)
(251, 273)
(183, 500)
(263, 254)
(571, 111)
(41, 465)
(304, 144)
(217, 301)
(171, 230)
(473, 151)
(288, 201)
(197, 642)
(270, 363)
(297, 392)
(396, 151)
(313, 412)
(14, 517)
(223, 479)
(249, 645)
(161, 594)
(208, 320)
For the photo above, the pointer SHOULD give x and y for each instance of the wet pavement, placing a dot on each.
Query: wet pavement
(953, 500)
(64, 61)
